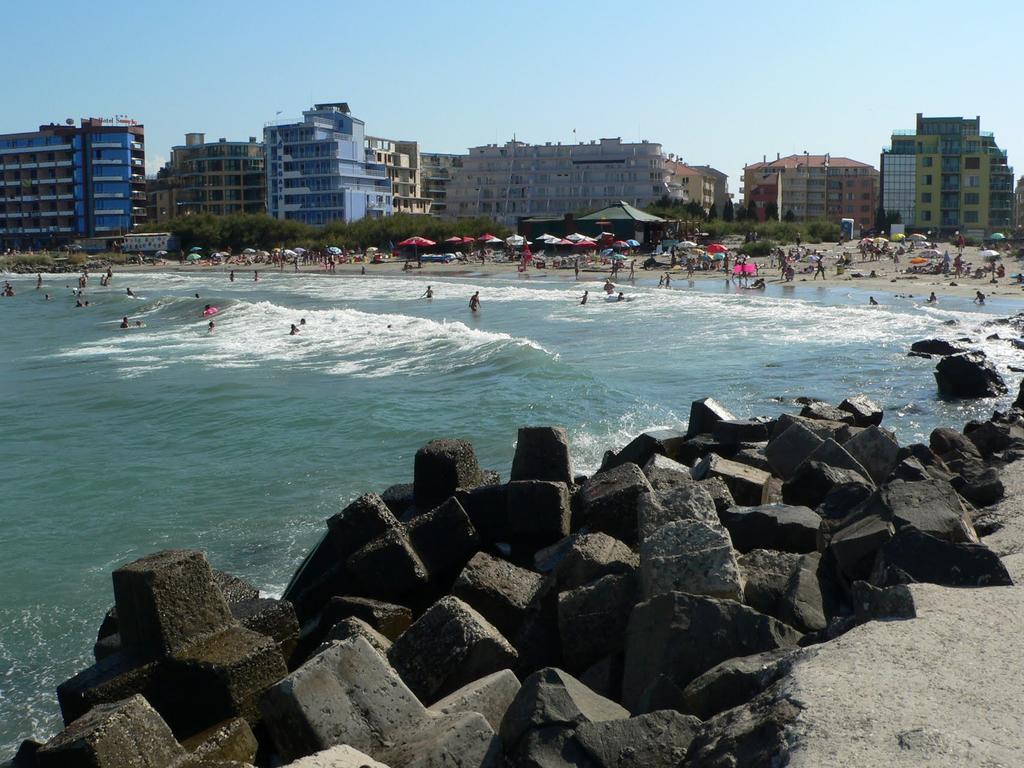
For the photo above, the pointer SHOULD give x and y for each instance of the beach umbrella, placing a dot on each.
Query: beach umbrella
(468, 240)
(633, 243)
(455, 240)
(288, 252)
(493, 240)
(881, 240)
(249, 251)
(584, 243)
(515, 240)
(717, 248)
(988, 253)
(299, 250)
(998, 236)
(561, 241)
(576, 237)
(930, 253)
(899, 237)
(618, 257)
(487, 237)
(687, 244)
(546, 238)
(333, 250)
(918, 237)
(194, 257)
(417, 241)
(161, 253)
(194, 249)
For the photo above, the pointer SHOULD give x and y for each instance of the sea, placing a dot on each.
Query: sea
(241, 442)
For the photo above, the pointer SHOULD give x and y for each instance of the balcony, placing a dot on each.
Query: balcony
(136, 145)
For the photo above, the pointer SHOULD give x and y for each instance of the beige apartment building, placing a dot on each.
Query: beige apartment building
(696, 183)
(436, 171)
(402, 161)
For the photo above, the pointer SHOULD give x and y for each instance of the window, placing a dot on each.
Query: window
(973, 181)
(926, 197)
(971, 198)
(970, 217)
(926, 162)
(972, 163)
(926, 215)
(927, 179)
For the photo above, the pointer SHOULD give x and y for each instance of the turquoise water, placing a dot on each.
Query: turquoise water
(117, 443)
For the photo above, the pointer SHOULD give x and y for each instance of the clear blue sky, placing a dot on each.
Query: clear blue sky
(721, 83)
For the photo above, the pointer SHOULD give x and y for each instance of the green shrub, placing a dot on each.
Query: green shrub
(759, 248)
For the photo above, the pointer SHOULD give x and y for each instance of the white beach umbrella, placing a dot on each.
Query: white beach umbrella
(687, 244)
(576, 237)
(988, 253)
(515, 240)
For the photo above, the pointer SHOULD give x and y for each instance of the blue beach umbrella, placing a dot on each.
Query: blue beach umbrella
(633, 243)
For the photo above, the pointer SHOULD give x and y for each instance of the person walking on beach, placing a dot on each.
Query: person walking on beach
(820, 270)
(576, 268)
(583, 299)
(474, 302)
(632, 269)
(958, 265)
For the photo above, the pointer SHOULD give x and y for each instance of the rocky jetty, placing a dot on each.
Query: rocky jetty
(793, 591)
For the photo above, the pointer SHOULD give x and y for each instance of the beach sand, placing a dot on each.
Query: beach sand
(890, 278)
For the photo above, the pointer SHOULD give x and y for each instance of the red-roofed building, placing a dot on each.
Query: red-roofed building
(813, 187)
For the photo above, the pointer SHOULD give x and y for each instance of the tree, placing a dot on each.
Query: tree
(790, 216)
(881, 220)
(712, 213)
(728, 212)
(895, 217)
(694, 210)
(771, 212)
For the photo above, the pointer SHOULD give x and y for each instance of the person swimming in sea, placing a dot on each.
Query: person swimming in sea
(46, 297)
(294, 330)
(979, 297)
(932, 299)
(872, 302)
(130, 293)
(609, 287)
(429, 293)
(302, 321)
(474, 302)
(124, 322)
(210, 327)
(622, 296)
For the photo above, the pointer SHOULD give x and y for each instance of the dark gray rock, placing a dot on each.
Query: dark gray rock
(720, 493)
(931, 506)
(491, 696)
(350, 628)
(803, 605)
(500, 591)
(658, 442)
(440, 467)
(790, 449)
(876, 451)
(969, 375)
(444, 539)
(914, 556)
(823, 428)
(755, 734)
(274, 618)
(123, 734)
(542, 453)
(735, 682)
(772, 526)
(365, 519)
(457, 739)
(113, 678)
(866, 413)
(591, 556)
(388, 619)
(234, 589)
(167, 600)
(655, 740)
(608, 502)
(753, 457)
(693, 556)
(553, 746)
(551, 697)
(682, 636)
(766, 576)
(691, 501)
(345, 695)
(387, 568)
(854, 545)
(825, 412)
(939, 347)
(836, 456)
(604, 677)
(592, 619)
(232, 740)
(814, 480)
(664, 473)
(399, 498)
(984, 489)
(870, 602)
(538, 514)
(704, 414)
(736, 431)
(447, 647)
(747, 485)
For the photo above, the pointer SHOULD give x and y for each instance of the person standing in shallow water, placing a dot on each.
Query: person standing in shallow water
(231, 277)
(474, 302)
(583, 298)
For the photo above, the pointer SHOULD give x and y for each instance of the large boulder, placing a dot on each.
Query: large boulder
(825, 412)
(704, 414)
(348, 694)
(654, 740)
(274, 618)
(542, 453)
(814, 480)
(682, 636)
(866, 413)
(592, 619)
(735, 681)
(749, 486)
(735, 431)
(500, 591)
(913, 556)
(123, 734)
(969, 375)
(457, 739)
(591, 556)
(449, 646)
(444, 539)
(772, 526)
(550, 698)
(938, 347)
(690, 501)
(609, 499)
(640, 450)
(491, 696)
(790, 449)
(664, 473)
(854, 545)
(876, 451)
(230, 740)
(766, 576)
(931, 506)
(692, 556)
(440, 467)
(836, 456)
(388, 619)
(388, 568)
(349, 628)
(804, 605)
(537, 513)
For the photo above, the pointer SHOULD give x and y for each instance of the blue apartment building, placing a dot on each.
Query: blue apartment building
(65, 182)
(318, 170)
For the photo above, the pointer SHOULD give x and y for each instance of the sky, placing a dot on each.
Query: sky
(717, 83)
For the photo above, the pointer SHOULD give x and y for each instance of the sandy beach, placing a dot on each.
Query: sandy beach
(890, 278)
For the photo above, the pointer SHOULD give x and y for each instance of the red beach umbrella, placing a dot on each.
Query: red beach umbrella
(455, 240)
(717, 248)
(486, 236)
(420, 242)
